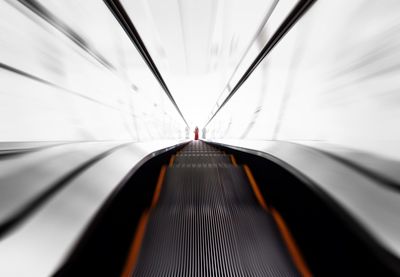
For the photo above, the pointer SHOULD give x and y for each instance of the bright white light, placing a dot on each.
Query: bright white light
(197, 45)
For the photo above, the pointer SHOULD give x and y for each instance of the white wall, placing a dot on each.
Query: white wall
(52, 88)
(333, 78)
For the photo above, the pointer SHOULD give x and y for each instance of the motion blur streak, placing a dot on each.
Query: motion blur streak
(331, 79)
(96, 96)
(67, 76)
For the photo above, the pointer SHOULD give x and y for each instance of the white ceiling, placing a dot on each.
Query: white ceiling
(197, 44)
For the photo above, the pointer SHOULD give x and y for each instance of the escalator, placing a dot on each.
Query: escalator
(208, 218)
(97, 180)
(205, 209)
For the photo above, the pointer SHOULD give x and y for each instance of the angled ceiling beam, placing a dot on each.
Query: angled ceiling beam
(121, 15)
(296, 13)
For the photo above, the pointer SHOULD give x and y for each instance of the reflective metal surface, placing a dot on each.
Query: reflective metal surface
(80, 107)
(43, 241)
(370, 204)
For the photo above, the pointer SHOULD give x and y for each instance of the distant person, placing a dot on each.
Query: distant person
(196, 133)
(203, 133)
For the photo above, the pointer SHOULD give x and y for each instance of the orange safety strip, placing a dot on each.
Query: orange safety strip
(254, 186)
(171, 161)
(141, 228)
(233, 160)
(291, 245)
(136, 245)
(159, 186)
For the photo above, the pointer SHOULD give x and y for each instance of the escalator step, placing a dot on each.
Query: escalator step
(207, 222)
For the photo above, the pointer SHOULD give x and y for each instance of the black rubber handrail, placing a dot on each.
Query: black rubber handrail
(126, 23)
(296, 13)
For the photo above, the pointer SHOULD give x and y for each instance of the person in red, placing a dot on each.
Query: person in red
(196, 133)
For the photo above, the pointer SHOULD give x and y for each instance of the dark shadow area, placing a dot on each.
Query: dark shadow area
(332, 242)
(103, 249)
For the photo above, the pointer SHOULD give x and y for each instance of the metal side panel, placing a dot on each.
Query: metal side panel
(40, 245)
(373, 205)
(12, 147)
(27, 179)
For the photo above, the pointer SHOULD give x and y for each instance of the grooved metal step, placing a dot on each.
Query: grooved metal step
(201, 158)
(207, 222)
